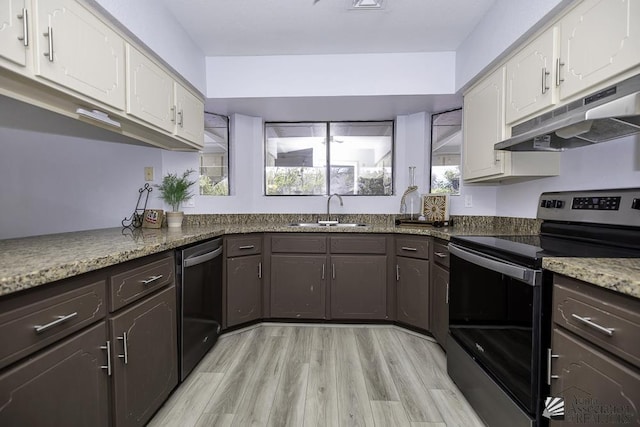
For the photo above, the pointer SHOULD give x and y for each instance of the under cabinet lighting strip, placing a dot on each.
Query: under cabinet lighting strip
(99, 116)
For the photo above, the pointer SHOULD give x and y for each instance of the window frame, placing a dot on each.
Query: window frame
(228, 165)
(328, 165)
(431, 156)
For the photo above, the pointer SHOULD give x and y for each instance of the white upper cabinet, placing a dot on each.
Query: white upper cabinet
(14, 31)
(599, 39)
(150, 93)
(531, 77)
(77, 50)
(483, 126)
(190, 115)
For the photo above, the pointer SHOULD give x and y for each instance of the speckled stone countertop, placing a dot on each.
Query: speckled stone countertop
(33, 261)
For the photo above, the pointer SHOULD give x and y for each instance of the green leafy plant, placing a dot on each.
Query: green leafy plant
(175, 189)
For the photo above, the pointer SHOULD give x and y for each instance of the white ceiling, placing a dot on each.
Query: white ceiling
(294, 27)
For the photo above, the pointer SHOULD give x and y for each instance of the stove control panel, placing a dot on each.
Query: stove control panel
(611, 207)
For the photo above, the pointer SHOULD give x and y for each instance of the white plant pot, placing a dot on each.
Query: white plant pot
(174, 219)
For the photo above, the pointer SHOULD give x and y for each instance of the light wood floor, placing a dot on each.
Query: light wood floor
(282, 375)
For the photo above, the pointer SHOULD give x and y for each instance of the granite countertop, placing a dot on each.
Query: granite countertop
(32, 261)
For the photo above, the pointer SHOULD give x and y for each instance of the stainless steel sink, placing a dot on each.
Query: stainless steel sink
(316, 224)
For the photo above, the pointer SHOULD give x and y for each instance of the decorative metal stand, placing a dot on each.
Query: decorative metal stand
(135, 220)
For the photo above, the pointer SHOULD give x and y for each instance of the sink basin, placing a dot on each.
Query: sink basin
(315, 224)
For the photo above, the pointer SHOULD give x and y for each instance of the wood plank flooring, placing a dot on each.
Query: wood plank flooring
(300, 375)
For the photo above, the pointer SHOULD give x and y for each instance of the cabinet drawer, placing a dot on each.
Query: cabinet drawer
(299, 244)
(441, 254)
(590, 312)
(138, 278)
(414, 247)
(37, 319)
(354, 244)
(245, 245)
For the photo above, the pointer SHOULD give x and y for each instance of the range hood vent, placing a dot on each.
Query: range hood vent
(608, 114)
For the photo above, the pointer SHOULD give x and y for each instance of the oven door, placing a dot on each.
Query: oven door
(495, 316)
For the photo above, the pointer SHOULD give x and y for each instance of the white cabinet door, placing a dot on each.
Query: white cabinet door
(150, 94)
(79, 51)
(599, 39)
(14, 32)
(530, 78)
(190, 116)
(483, 126)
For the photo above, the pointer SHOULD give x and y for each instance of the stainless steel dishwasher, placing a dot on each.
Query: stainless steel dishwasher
(199, 274)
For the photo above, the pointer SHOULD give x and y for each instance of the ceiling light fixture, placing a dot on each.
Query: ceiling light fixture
(366, 4)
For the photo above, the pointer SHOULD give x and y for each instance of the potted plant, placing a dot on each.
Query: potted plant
(175, 190)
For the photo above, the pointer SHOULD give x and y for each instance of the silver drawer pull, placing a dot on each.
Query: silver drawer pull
(406, 248)
(550, 356)
(108, 365)
(59, 320)
(124, 356)
(25, 27)
(440, 254)
(49, 35)
(151, 279)
(587, 321)
(246, 247)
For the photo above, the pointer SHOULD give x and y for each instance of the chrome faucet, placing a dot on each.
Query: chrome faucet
(329, 205)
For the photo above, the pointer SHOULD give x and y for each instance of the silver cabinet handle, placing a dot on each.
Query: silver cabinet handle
(440, 254)
(125, 346)
(333, 271)
(25, 27)
(59, 320)
(447, 297)
(558, 78)
(545, 73)
(243, 248)
(49, 35)
(260, 270)
(550, 356)
(587, 321)
(181, 118)
(397, 273)
(406, 248)
(107, 347)
(151, 279)
(323, 268)
(173, 114)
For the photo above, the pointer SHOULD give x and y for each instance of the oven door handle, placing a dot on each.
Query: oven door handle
(523, 274)
(191, 261)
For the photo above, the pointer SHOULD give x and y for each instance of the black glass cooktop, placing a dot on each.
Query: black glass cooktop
(530, 249)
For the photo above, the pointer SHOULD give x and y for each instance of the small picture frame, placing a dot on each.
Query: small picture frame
(152, 218)
(435, 207)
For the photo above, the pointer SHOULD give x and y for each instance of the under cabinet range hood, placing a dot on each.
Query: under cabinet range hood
(611, 113)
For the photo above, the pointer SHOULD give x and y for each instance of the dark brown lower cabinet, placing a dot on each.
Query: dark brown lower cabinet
(244, 289)
(144, 347)
(597, 389)
(298, 286)
(359, 287)
(439, 303)
(65, 385)
(412, 291)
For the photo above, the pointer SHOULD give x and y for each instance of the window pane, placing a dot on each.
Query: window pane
(214, 159)
(295, 158)
(361, 158)
(446, 140)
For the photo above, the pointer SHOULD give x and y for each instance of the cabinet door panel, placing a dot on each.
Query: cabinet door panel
(359, 287)
(298, 286)
(530, 78)
(597, 389)
(143, 383)
(440, 304)
(244, 289)
(190, 116)
(62, 386)
(483, 123)
(11, 30)
(150, 94)
(87, 57)
(413, 291)
(599, 39)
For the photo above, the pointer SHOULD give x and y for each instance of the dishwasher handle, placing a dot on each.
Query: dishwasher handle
(199, 259)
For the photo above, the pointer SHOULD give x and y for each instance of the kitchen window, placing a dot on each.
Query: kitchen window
(214, 157)
(320, 158)
(446, 140)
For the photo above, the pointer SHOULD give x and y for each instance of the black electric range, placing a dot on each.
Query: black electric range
(500, 298)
